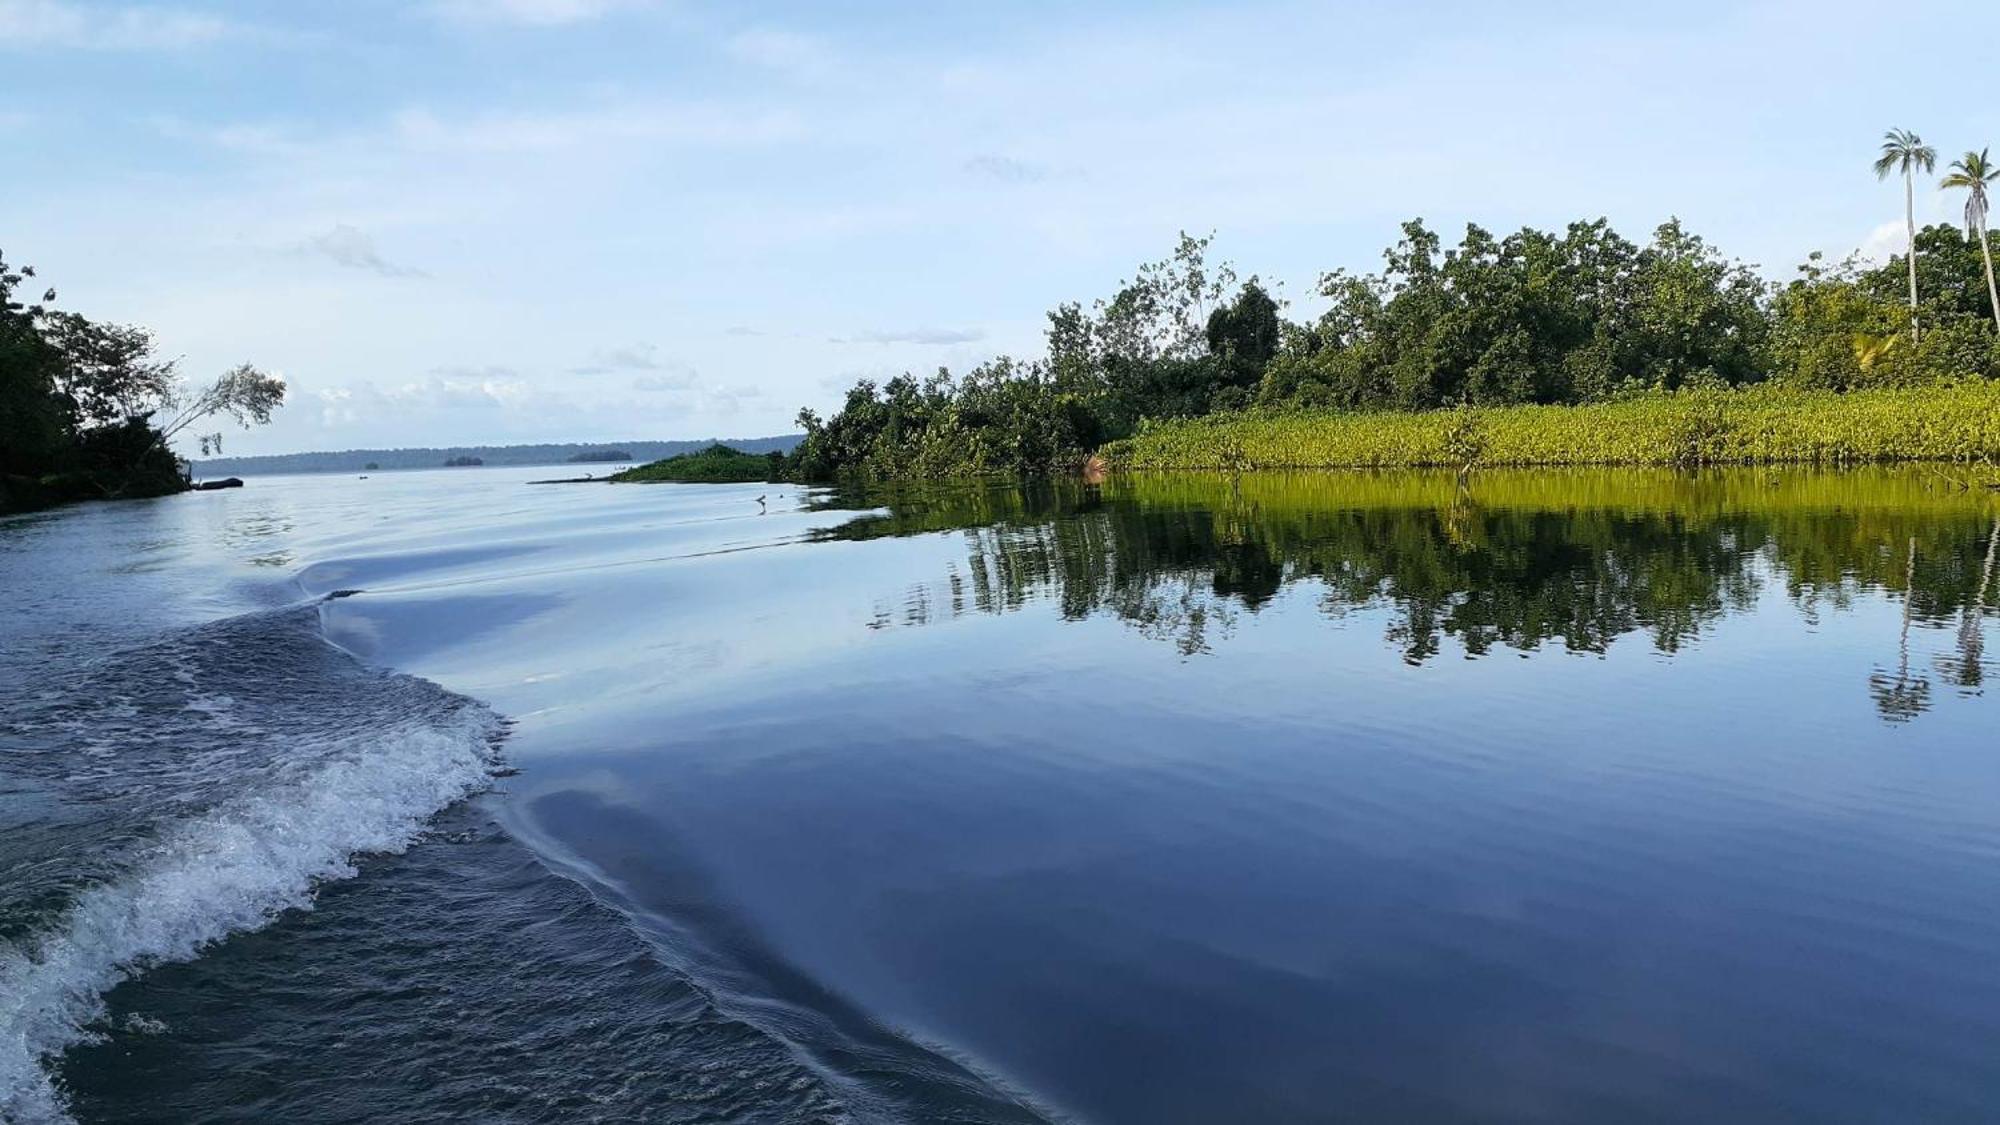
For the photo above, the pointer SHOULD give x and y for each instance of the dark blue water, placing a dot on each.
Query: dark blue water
(1572, 797)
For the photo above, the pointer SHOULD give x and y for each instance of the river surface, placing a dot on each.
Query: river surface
(1559, 797)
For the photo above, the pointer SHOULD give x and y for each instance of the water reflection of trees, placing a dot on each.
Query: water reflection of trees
(1513, 561)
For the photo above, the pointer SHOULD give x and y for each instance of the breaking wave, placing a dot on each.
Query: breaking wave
(249, 762)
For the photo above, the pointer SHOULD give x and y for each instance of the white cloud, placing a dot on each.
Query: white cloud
(1891, 238)
(351, 247)
(61, 23)
(1886, 241)
(445, 391)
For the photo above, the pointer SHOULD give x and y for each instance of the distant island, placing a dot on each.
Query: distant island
(716, 464)
(372, 460)
(465, 462)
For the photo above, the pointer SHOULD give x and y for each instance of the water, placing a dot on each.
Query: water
(1544, 797)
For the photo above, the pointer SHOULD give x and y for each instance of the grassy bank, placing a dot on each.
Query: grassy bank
(1758, 426)
(718, 464)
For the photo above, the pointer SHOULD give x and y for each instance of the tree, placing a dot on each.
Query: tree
(1245, 334)
(1905, 152)
(109, 373)
(1973, 172)
(33, 434)
(1951, 280)
(1834, 328)
(243, 393)
(1575, 315)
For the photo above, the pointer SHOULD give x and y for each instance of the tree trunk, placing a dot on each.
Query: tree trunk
(1910, 221)
(1992, 294)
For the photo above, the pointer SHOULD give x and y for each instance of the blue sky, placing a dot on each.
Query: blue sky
(450, 221)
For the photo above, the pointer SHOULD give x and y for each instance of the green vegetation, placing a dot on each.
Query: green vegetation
(1675, 354)
(1972, 174)
(1763, 425)
(88, 411)
(718, 464)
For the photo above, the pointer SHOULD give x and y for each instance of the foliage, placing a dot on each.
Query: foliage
(109, 373)
(1973, 174)
(88, 410)
(1002, 416)
(1170, 342)
(1580, 316)
(1532, 318)
(34, 428)
(1845, 326)
(1694, 427)
(1950, 277)
(242, 393)
(717, 464)
(1905, 152)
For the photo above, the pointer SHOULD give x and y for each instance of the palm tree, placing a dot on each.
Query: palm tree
(1905, 152)
(1973, 172)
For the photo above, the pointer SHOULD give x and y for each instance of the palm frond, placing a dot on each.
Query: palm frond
(1904, 151)
(1971, 173)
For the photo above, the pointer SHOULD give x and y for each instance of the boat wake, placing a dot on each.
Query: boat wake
(229, 772)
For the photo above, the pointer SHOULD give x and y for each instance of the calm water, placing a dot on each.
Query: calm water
(1553, 797)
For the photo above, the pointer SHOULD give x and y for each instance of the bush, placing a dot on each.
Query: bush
(718, 464)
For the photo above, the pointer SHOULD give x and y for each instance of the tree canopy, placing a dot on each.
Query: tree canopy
(1533, 317)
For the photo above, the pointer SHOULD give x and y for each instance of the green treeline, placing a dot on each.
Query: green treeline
(88, 411)
(1511, 560)
(1535, 318)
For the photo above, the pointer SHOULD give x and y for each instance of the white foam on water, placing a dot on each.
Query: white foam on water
(231, 869)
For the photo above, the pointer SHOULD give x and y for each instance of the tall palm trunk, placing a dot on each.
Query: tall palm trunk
(1910, 221)
(1992, 294)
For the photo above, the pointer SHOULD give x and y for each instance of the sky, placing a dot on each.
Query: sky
(489, 221)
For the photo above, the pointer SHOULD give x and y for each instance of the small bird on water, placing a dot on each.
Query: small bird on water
(760, 503)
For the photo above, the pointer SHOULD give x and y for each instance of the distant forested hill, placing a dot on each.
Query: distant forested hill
(370, 460)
